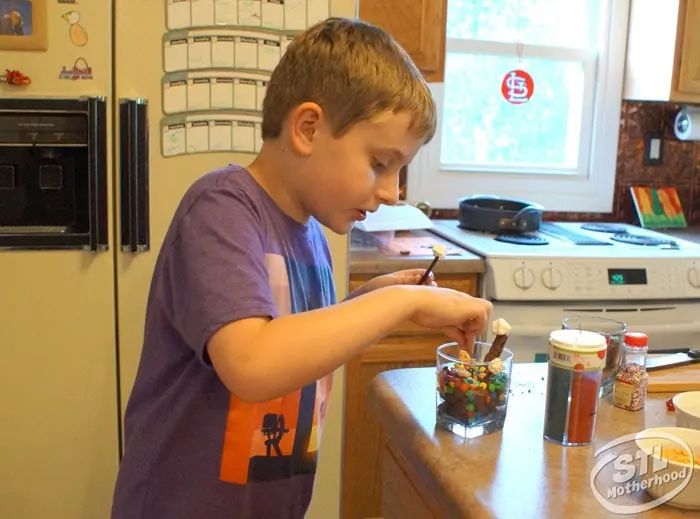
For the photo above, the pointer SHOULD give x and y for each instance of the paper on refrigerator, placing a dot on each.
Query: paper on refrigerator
(218, 56)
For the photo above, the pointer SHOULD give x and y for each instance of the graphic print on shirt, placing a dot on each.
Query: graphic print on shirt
(278, 439)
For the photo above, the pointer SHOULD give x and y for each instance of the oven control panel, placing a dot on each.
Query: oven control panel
(581, 279)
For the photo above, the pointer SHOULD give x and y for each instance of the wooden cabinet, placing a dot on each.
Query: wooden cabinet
(403, 494)
(663, 51)
(418, 25)
(689, 50)
(409, 346)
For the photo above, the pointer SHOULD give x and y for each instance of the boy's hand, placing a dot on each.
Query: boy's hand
(460, 316)
(402, 277)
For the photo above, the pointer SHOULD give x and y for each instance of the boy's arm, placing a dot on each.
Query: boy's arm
(259, 359)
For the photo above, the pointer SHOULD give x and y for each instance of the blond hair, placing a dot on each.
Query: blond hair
(354, 71)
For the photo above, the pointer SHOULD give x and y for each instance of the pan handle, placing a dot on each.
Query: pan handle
(517, 221)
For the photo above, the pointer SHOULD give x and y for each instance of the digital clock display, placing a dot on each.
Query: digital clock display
(627, 276)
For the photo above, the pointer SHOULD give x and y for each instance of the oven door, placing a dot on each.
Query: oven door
(671, 325)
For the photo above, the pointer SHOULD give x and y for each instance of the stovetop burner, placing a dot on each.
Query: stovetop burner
(636, 239)
(522, 239)
(605, 227)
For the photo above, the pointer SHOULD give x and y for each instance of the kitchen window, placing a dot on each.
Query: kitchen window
(559, 146)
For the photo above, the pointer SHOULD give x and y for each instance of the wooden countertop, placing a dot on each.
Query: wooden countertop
(380, 253)
(514, 473)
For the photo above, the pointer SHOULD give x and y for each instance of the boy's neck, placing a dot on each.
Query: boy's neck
(273, 169)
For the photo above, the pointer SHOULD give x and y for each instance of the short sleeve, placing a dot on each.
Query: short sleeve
(216, 267)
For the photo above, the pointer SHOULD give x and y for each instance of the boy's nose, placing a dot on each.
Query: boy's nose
(388, 189)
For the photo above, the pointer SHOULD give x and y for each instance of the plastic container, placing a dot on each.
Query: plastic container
(614, 333)
(472, 396)
(574, 378)
(630, 390)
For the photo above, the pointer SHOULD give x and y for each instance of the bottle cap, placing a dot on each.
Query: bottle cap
(636, 339)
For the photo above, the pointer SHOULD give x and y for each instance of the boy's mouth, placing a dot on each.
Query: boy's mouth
(360, 215)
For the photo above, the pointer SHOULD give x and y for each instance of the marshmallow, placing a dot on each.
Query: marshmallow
(439, 250)
(496, 366)
(500, 327)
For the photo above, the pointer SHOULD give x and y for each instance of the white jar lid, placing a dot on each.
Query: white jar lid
(578, 341)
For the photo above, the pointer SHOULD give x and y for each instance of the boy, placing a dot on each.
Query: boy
(242, 327)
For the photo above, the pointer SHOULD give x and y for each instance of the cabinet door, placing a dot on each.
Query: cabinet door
(689, 44)
(418, 25)
(408, 346)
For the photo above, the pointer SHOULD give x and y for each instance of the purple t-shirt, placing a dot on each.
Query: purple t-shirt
(192, 449)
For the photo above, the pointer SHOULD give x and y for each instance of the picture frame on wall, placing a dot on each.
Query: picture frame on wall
(23, 25)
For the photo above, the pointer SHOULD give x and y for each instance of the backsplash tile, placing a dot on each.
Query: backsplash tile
(680, 167)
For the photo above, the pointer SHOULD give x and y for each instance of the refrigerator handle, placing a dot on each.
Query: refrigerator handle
(97, 143)
(133, 175)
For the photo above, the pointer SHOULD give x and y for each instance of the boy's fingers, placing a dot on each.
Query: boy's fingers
(469, 343)
(413, 275)
(411, 272)
(481, 318)
(472, 328)
(456, 335)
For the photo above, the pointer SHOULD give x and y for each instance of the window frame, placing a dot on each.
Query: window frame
(591, 190)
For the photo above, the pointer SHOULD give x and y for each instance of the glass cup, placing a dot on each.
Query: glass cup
(472, 397)
(614, 333)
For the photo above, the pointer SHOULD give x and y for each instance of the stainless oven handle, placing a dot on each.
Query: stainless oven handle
(525, 330)
(97, 173)
(607, 311)
(134, 176)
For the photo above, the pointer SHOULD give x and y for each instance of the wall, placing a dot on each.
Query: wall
(680, 167)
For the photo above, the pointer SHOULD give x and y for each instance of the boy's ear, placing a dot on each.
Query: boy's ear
(304, 124)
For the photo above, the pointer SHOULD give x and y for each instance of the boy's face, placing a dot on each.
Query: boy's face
(344, 178)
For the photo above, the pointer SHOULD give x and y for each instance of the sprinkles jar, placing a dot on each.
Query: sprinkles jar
(630, 390)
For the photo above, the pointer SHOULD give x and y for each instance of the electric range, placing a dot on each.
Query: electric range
(646, 279)
(566, 260)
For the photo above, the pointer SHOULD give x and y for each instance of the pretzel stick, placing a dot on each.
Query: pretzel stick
(501, 329)
(439, 251)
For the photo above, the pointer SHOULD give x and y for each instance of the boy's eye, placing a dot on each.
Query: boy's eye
(378, 166)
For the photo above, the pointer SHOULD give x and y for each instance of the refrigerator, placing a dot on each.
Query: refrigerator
(71, 318)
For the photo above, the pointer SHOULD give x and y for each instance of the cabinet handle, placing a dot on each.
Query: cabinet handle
(133, 175)
(97, 142)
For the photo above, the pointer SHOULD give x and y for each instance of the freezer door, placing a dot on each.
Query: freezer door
(58, 399)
